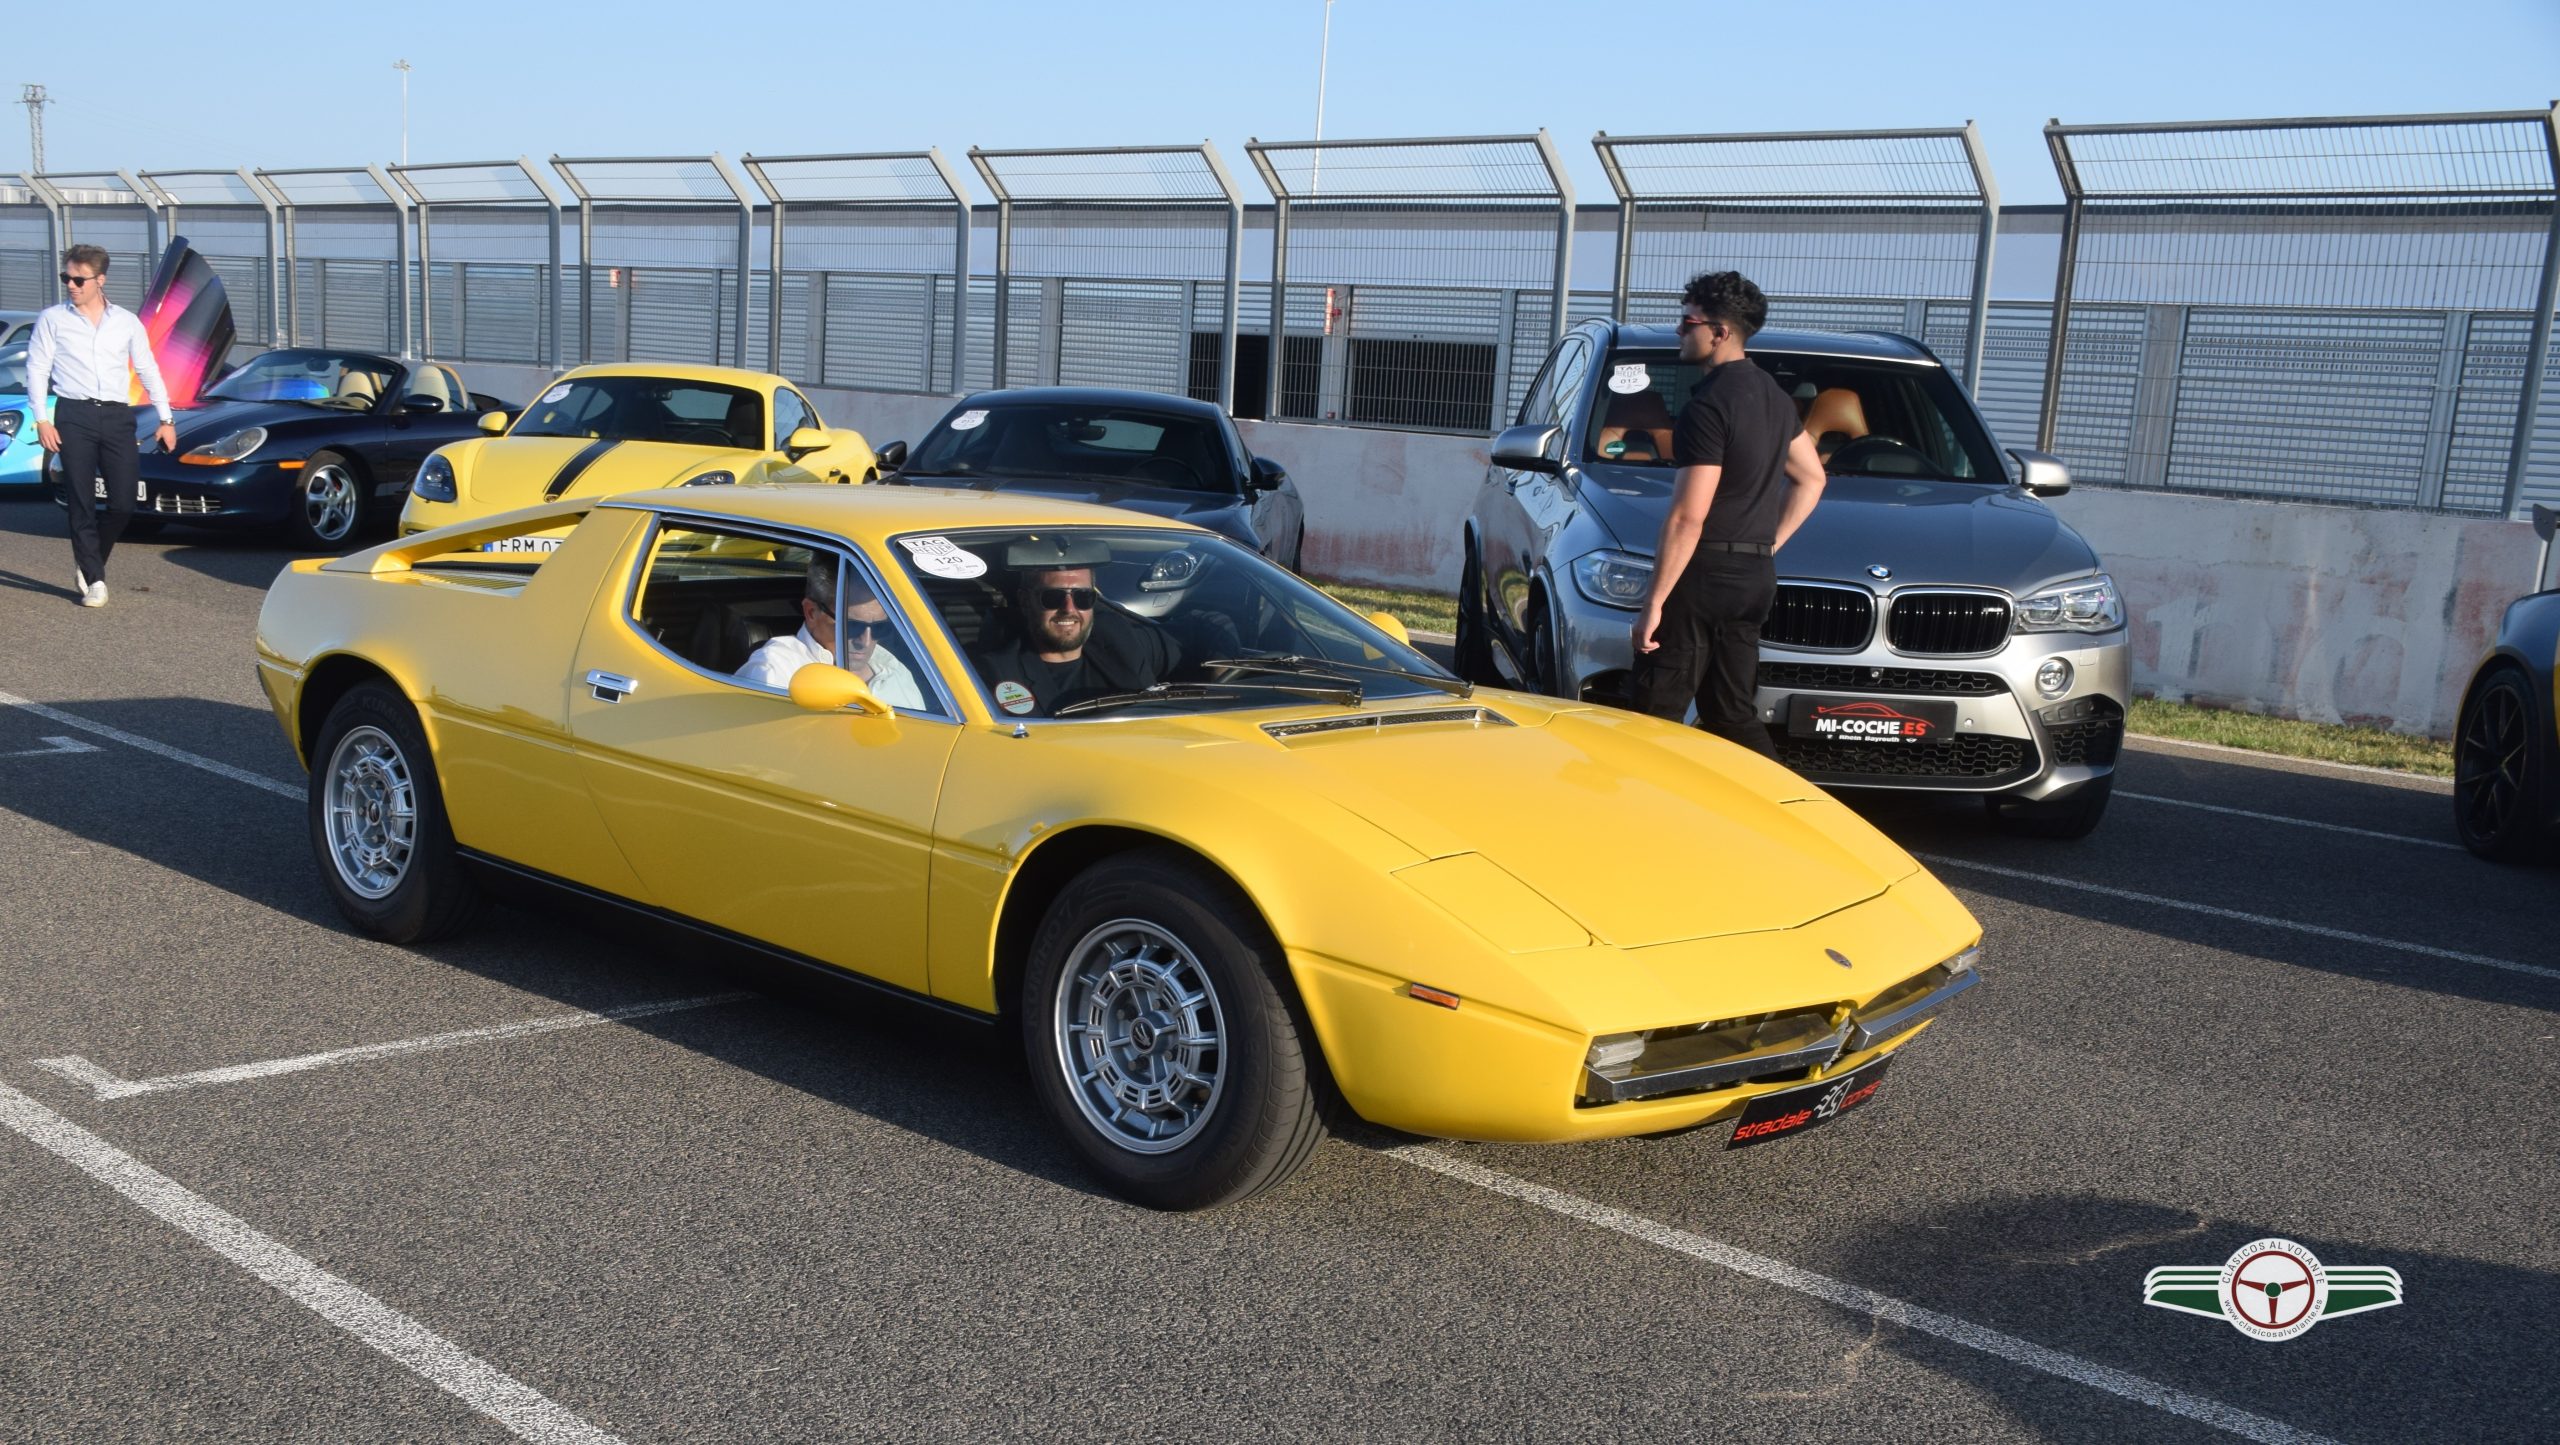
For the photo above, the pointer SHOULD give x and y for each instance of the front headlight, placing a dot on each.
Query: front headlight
(1613, 579)
(10, 421)
(713, 479)
(2088, 605)
(435, 480)
(229, 448)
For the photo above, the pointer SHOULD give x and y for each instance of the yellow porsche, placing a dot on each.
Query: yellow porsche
(1223, 852)
(603, 429)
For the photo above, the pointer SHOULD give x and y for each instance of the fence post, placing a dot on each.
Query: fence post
(1000, 358)
(1618, 282)
(963, 222)
(1277, 346)
(1564, 238)
(773, 286)
(1978, 325)
(2538, 348)
(2451, 356)
(2059, 334)
(1234, 291)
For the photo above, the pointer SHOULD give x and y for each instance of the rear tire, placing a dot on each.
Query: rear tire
(1473, 650)
(2497, 773)
(1546, 672)
(378, 825)
(1163, 1038)
(2073, 817)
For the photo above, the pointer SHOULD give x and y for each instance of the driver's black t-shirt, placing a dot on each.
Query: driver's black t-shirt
(1052, 683)
(1740, 419)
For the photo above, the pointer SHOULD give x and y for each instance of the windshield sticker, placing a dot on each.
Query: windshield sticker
(969, 420)
(1013, 697)
(942, 557)
(1613, 448)
(554, 395)
(1630, 378)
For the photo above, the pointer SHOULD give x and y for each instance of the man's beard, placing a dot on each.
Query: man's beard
(1062, 633)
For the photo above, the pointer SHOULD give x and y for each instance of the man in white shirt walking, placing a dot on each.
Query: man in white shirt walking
(864, 617)
(78, 357)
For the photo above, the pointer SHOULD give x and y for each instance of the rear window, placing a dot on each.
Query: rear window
(1867, 418)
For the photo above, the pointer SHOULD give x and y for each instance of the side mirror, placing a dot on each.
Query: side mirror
(2041, 473)
(1536, 447)
(806, 440)
(1268, 474)
(823, 687)
(1391, 625)
(892, 456)
(422, 403)
(493, 422)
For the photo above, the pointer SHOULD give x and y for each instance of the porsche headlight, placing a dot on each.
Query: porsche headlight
(229, 448)
(10, 421)
(1613, 579)
(435, 480)
(1173, 570)
(712, 479)
(2088, 605)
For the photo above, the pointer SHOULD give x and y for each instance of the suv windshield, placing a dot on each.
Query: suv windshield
(348, 380)
(647, 409)
(1869, 418)
(1062, 440)
(1085, 621)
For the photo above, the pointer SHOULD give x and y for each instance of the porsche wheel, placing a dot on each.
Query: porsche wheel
(377, 821)
(1161, 1036)
(2496, 781)
(328, 503)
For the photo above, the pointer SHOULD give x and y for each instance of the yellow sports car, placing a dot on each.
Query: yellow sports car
(602, 429)
(1221, 850)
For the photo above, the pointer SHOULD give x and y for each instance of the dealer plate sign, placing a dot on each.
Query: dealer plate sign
(1870, 720)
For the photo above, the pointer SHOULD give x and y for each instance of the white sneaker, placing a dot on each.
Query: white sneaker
(94, 595)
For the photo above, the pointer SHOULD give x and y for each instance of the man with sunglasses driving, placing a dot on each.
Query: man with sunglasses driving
(773, 664)
(1065, 647)
(79, 356)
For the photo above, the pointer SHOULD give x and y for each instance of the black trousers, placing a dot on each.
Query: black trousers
(97, 441)
(1707, 649)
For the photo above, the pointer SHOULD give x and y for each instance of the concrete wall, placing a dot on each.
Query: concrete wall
(2326, 613)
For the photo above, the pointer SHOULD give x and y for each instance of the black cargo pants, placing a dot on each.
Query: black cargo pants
(1707, 649)
(97, 441)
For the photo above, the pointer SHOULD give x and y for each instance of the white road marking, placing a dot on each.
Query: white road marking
(107, 1086)
(1863, 1301)
(2285, 818)
(2345, 935)
(136, 740)
(500, 1396)
(52, 747)
(2281, 762)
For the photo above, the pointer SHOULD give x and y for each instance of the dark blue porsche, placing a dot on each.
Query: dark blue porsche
(315, 444)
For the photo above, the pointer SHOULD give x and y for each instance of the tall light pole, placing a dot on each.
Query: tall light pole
(35, 100)
(1324, 54)
(403, 67)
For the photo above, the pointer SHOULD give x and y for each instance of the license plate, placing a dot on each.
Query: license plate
(1870, 720)
(1790, 1112)
(141, 490)
(522, 544)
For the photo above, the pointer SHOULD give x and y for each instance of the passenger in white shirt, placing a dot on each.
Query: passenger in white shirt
(775, 662)
(77, 359)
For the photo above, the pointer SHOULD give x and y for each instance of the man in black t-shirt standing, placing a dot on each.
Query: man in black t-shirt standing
(1748, 477)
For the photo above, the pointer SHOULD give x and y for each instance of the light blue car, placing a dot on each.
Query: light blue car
(21, 455)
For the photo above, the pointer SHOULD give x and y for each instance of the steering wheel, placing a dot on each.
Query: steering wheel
(1167, 469)
(1852, 453)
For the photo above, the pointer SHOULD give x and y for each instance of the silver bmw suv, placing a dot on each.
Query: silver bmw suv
(1936, 627)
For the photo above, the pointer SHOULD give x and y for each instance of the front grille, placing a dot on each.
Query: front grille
(1846, 677)
(1947, 624)
(1968, 758)
(1831, 619)
(2087, 730)
(185, 506)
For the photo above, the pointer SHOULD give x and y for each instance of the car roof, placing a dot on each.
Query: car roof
(681, 371)
(1878, 345)
(871, 513)
(1096, 396)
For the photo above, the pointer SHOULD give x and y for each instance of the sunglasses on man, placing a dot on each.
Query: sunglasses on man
(1692, 323)
(70, 280)
(1058, 599)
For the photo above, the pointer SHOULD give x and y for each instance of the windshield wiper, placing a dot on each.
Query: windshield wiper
(1299, 665)
(1186, 691)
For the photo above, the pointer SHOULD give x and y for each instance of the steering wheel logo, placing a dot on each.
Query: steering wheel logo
(2272, 1289)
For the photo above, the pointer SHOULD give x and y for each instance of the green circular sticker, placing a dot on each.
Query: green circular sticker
(1613, 449)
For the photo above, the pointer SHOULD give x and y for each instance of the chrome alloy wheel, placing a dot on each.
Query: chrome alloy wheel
(371, 808)
(1140, 1036)
(330, 501)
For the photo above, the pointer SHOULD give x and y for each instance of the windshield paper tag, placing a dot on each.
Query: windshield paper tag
(554, 395)
(942, 557)
(969, 420)
(1630, 378)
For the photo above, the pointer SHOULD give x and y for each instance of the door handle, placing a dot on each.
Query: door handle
(610, 686)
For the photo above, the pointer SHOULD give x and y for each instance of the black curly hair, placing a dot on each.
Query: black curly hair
(1730, 298)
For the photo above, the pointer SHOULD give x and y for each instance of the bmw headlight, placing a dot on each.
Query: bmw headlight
(1613, 579)
(230, 448)
(713, 479)
(435, 480)
(2088, 605)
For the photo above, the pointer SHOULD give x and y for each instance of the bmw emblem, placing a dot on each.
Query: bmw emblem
(1880, 572)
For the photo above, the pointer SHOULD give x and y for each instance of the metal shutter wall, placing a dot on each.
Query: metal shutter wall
(675, 314)
(2014, 345)
(2484, 418)
(1413, 313)
(244, 281)
(444, 310)
(358, 297)
(2093, 429)
(502, 313)
(881, 331)
(26, 283)
(1124, 333)
(2323, 404)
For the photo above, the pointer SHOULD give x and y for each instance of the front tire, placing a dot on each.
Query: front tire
(2497, 779)
(1162, 1038)
(1473, 650)
(328, 503)
(2075, 816)
(378, 824)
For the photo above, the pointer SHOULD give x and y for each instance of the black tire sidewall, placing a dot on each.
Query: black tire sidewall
(2521, 839)
(432, 897)
(1474, 647)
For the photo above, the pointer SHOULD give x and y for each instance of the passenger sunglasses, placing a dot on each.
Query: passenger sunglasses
(70, 280)
(1057, 599)
(855, 627)
(1691, 323)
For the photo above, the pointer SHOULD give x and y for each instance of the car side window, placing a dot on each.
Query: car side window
(729, 602)
(1541, 402)
(1572, 365)
(790, 413)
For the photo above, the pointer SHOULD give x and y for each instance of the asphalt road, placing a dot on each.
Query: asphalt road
(756, 1220)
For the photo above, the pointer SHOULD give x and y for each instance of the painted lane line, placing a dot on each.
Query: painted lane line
(2155, 900)
(53, 747)
(1864, 1301)
(494, 1393)
(2297, 822)
(107, 1086)
(136, 740)
(2415, 782)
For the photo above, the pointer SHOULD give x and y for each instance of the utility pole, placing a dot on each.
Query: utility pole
(1324, 55)
(35, 100)
(403, 67)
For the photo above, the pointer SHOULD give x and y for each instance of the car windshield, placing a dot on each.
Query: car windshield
(346, 380)
(647, 409)
(1867, 418)
(1052, 440)
(1106, 622)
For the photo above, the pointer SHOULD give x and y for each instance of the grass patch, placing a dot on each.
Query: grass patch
(2327, 742)
(1418, 611)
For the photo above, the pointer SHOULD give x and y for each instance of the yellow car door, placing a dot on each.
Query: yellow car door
(809, 831)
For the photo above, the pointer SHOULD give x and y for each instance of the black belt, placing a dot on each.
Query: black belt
(89, 401)
(1748, 549)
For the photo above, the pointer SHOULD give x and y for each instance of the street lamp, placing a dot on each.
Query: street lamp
(1324, 53)
(403, 67)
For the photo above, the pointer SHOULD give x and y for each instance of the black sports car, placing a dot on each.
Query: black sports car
(2506, 748)
(1166, 455)
(317, 444)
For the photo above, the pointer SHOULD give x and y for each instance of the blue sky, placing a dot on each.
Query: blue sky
(303, 86)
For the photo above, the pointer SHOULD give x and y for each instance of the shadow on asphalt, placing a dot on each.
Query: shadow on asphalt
(2469, 1353)
(246, 559)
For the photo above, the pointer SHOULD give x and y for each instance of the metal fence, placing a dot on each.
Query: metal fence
(666, 258)
(234, 223)
(1414, 283)
(111, 209)
(868, 248)
(488, 268)
(346, 255)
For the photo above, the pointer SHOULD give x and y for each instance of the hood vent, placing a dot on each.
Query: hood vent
(1381, 721)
